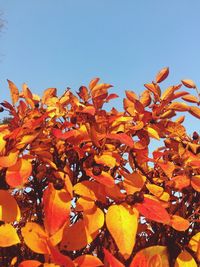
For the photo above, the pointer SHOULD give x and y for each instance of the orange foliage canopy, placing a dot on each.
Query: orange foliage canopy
(79, 187)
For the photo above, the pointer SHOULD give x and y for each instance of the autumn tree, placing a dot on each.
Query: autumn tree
(78, 184)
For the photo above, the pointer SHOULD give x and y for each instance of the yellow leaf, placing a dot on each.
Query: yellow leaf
(122, 223)
(188, 83)
(194, 242)
(179, 223)
(18, 174)
(8, 236)
(35, 238)
(107, 160)
(48, 93)
(84, 231)
(14, 92)
(185, 259)
(152, 254)
(162, 75)
(84, 205)
(9, 210)
(153, 133)
(155, 189)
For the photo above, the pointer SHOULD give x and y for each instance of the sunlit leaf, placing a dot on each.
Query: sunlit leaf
(149, 255)
(84, 231)
(14, 92)
(188, 83)
(8, 236)
(111, 259)
(18, 174)
(153, 210)
(179, 223)
(87, 261)
(30, 263)
(35, 238)
(9, 210)
(56, 209)
(162, 75)
(122, 223)
(190, 98)
(10, 160)
(195, 111)
(185, 259)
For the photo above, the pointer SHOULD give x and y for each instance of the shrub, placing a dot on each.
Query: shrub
(79, 186)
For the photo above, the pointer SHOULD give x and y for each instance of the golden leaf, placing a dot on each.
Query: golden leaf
(14, 92)
(122, 224)
(35, 238)
(185, 259)
(8, 236)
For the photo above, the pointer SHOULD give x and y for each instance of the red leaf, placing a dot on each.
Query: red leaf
(111, 259)
(123, 138)
(153, 210)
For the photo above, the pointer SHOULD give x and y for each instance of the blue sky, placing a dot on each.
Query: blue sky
(64, 43)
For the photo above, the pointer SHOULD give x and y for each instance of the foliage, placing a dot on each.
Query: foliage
(79, 186)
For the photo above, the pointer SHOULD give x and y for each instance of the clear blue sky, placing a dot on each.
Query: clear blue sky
(49, 43)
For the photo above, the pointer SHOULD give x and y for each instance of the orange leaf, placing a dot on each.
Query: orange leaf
(122, 224)
(90, 190)
(133, 182)
(14, 92)
(35, 238)
(178, 106)
(167, 168)
(195, 182)
(93, 83)
(153, 210)
(30, 263)
(155, 261)
(59, 258)
(8, 236)
(188, 83)
(104, 178)
(185, 259)
(87, 261)
(9, 210)
(18, 174)
(107, 160)
(150, 255)
(111, 259)
(28, 95)
(179, 223)
(195, 111)
(10, 160)
(56, 209)
(84, 231)
(123, 138)
(162, 75)
(190, 98)
(48, 93)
